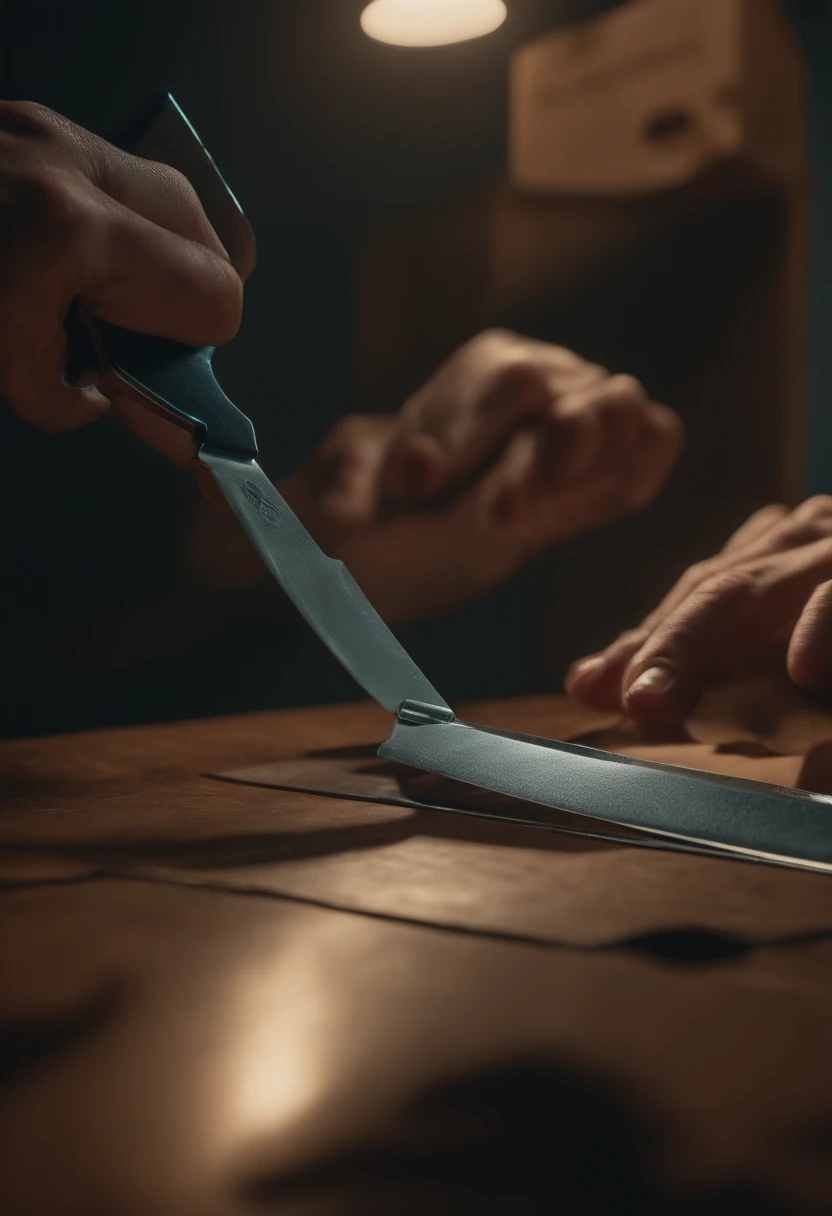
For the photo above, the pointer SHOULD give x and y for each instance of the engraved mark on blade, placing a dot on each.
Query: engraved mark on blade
(268, 510)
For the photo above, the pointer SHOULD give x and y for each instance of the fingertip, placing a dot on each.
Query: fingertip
(593, 681)
(583, 670)
(653, 684)
(653, 695)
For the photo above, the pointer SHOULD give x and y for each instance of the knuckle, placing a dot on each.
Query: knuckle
(626, 386)
(820, 504)
(353, 425)
(496, 337)
(809, 522)
(26, 118)
(518, 378)
(172, 184)
(488, 346)
(53, 200)
(692, 578)
(739, 583)
(629, 640)
(772, 510)
(699, 571)
(679, 638)
(595, 373)
(797, 532)
(817, 509)
(351, 431)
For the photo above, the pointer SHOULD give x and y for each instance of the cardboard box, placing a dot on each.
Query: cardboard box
(653, 93)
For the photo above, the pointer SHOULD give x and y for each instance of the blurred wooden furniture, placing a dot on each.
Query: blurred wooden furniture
(654, 220)
(224, 999)
(655, 91)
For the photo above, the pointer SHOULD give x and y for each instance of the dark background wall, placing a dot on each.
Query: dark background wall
(813, 23)
(322, 134)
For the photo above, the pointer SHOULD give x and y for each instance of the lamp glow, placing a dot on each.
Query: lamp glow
(431, 22)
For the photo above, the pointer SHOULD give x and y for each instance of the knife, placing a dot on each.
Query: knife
(167, 392)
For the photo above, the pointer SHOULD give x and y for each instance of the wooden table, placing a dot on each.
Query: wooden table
(219, 998)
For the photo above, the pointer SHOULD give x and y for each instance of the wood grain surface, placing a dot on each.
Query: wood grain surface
(219, 998)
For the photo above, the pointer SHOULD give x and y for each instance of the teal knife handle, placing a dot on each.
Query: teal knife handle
(177, 378)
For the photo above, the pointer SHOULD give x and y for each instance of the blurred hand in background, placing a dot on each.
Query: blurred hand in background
(510, 447)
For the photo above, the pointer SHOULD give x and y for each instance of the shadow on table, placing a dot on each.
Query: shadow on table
(533, 1135)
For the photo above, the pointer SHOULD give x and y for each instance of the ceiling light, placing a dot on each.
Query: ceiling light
(431, 22)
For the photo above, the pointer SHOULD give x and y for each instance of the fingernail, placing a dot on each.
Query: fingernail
(651, 685)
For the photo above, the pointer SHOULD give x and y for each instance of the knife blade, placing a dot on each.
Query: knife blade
(745, 818)
(320, 587)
